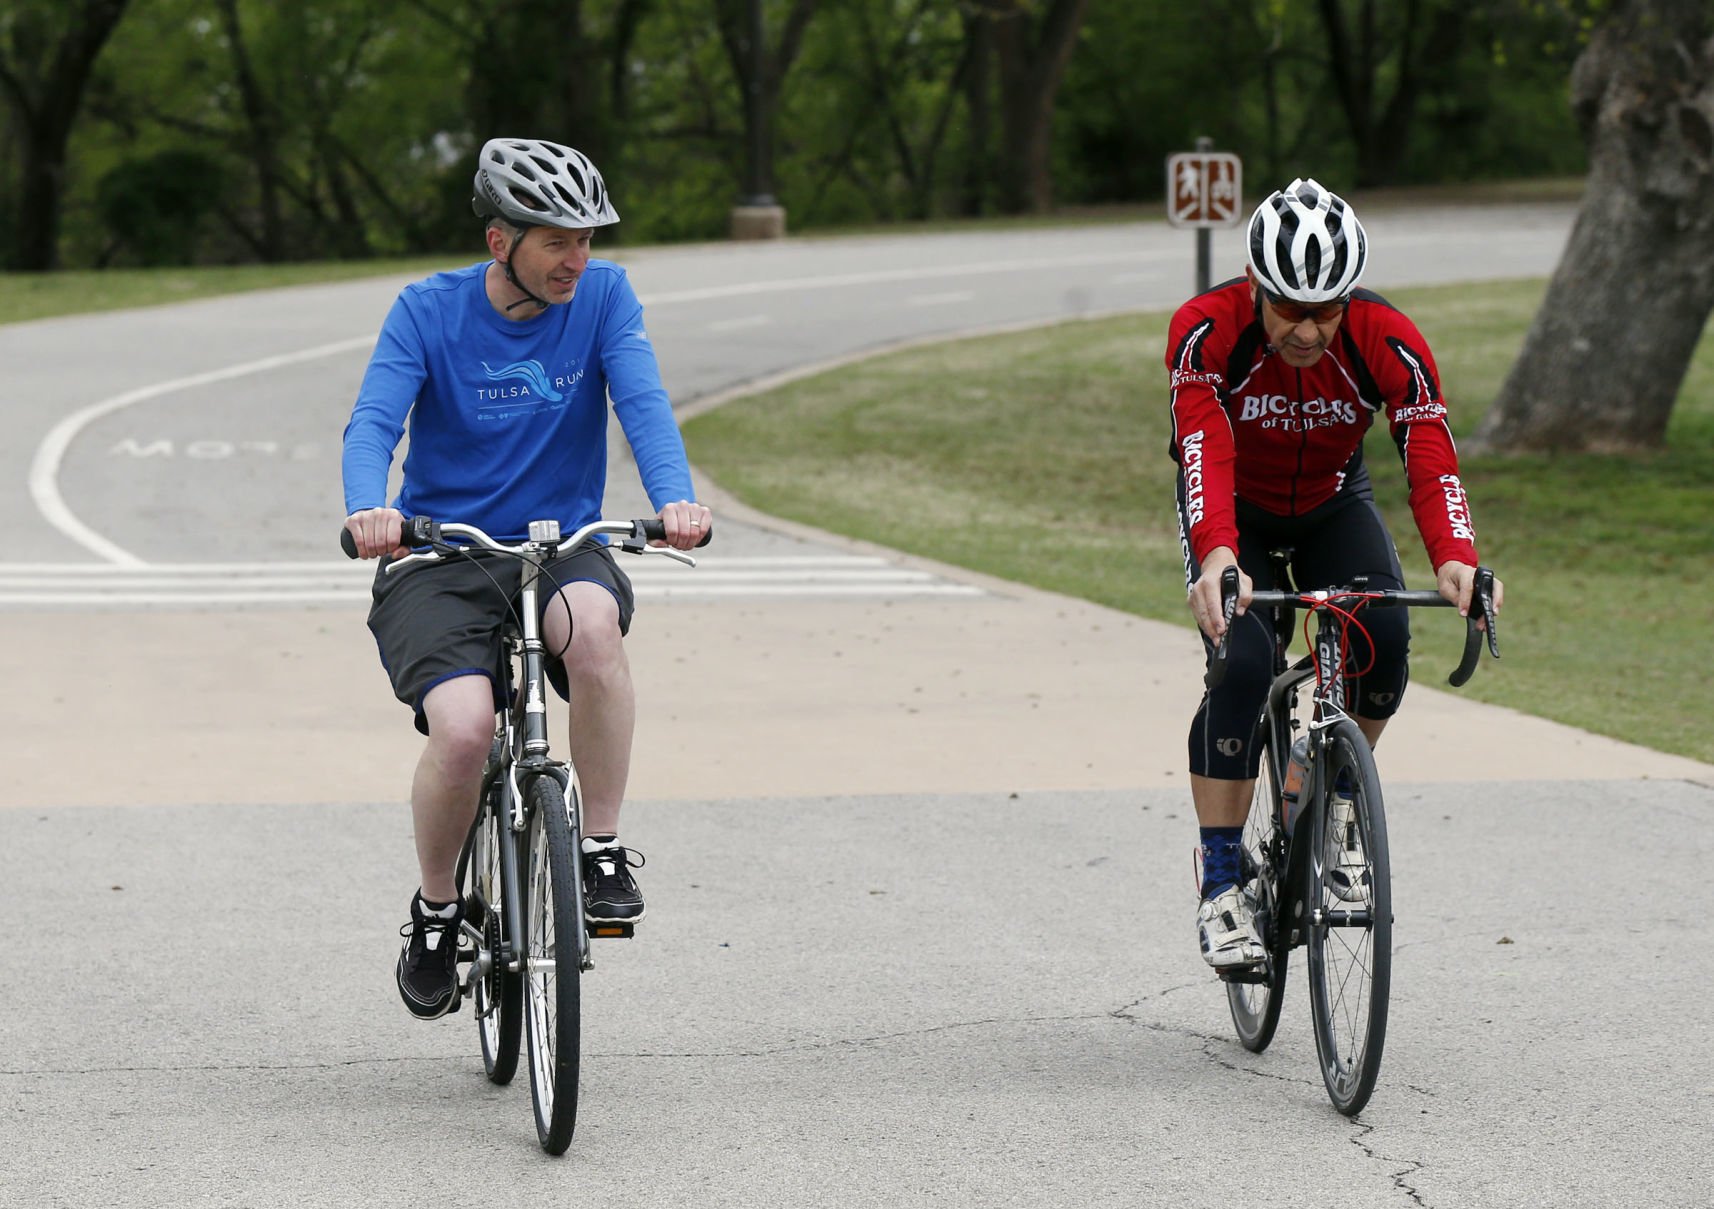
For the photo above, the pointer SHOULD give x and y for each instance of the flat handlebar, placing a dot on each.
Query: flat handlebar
(420, 531)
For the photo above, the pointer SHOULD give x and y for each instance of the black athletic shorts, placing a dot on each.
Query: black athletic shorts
(435, 621)
(1333, 544)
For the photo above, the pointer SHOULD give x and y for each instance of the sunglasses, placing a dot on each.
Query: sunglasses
(1297, 312)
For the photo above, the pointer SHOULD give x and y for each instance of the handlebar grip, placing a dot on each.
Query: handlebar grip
(1228, 609)
(416, 531)
(653, 529)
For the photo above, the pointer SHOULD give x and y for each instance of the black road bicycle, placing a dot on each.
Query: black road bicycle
(1315, 857)
(525, 941)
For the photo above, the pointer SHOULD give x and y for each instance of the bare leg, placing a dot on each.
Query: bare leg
(460, 715)
(1221, 803)
(603, 702)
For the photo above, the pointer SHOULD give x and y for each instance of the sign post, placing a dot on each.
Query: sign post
(1204, 189)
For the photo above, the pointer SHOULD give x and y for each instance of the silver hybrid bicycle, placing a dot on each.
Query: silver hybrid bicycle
(525, 943)
(1315, 860)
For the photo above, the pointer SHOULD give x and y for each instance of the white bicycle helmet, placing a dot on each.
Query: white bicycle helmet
(535, 183)
(1306, 244)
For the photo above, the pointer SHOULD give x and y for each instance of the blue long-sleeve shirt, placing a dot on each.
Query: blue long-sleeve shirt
(508, 418)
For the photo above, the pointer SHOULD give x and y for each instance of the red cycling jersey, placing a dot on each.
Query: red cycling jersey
(1247, 424)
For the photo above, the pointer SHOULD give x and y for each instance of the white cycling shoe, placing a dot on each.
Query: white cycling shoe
(1348, 872)
(1226, 928)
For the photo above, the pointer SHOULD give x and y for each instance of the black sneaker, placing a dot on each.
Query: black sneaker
(427, 972)
(610, 894)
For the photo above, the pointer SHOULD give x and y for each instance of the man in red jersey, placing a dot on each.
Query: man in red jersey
(1276, 377)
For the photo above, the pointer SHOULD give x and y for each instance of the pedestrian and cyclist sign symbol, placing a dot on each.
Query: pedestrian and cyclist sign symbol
(1203, 189)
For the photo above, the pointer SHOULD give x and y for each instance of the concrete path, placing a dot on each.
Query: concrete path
(919, 849)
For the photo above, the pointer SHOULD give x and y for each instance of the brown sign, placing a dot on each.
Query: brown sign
(1204, 189)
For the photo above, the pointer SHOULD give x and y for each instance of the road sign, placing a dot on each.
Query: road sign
(1204, 189)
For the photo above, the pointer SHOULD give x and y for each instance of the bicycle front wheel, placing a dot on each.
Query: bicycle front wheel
(1256, 1004)
(499, 993)
(552, 967)
(1351, 924)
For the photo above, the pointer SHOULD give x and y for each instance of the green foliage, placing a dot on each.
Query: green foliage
(367, 113)
(155, 204)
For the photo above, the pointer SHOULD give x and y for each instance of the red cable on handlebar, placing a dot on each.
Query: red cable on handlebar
(1314, 605)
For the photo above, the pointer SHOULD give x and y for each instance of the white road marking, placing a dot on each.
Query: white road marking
(927, 272)
(45, 466)
(940, 299)
(734, 325)
(221, 585)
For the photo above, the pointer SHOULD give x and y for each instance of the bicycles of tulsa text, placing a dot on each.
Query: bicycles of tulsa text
(525, 941)
(1316, 865)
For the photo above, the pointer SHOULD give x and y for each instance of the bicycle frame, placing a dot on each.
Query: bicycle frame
(1327, 706)
(523, 728)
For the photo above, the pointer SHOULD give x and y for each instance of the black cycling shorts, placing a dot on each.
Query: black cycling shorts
(1332, 544)
(435, 621)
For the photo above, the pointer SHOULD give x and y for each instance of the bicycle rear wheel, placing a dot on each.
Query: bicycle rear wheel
(1256, 1005)
(499, 994)
(553, 919)
(1351, 925)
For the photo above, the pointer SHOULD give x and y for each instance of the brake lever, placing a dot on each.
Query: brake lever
(665, 552)
(1475, 622)
(1484, 593)
(1228, 609)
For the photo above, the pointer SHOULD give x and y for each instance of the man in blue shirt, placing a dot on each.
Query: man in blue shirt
(504, 370)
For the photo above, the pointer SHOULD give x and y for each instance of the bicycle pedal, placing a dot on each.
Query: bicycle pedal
(1257, 973)
(612, 930)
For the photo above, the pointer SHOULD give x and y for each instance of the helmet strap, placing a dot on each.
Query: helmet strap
(542, 304)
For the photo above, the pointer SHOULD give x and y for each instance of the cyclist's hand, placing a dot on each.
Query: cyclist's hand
(1204, 598)
(1455, 581)
(687, 524)
(377, 531)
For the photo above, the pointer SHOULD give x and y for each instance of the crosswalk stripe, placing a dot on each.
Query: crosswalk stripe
(215, 585)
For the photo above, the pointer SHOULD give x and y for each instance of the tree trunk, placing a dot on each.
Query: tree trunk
(264, 136)
(46, 106)
(1604, 360)
(978, 86)
(760, 72)
(533, 74)
(1380, 133)
(1031, 65)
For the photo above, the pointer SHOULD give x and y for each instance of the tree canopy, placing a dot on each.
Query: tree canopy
(248, 130)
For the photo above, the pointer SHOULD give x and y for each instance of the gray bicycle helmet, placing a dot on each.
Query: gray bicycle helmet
(1306, 244)
(534, 183)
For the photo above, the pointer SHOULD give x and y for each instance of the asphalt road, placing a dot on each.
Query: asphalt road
(918, 872)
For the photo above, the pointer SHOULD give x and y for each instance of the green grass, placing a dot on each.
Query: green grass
(26, 296)
(1041, 457)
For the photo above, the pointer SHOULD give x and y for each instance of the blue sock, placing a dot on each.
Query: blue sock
(1220, 849)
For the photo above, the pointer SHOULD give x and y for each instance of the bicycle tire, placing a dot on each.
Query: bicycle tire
(1350, 967)
(553, 917)
(498, 998)
(1256, 1005)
